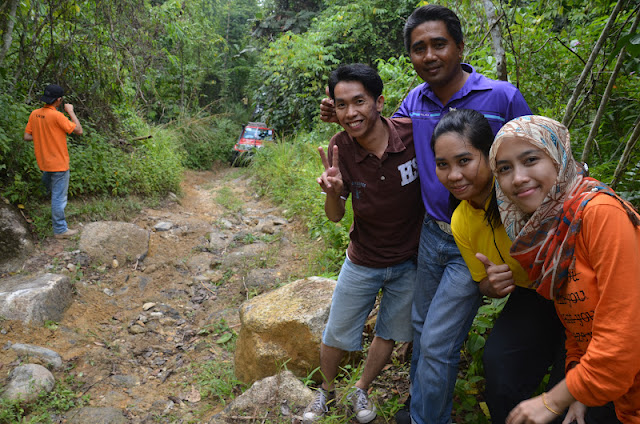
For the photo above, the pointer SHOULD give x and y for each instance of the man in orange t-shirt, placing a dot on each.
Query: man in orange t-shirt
(48, 129)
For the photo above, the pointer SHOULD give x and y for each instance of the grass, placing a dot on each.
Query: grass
(226, 198)
(216, 380)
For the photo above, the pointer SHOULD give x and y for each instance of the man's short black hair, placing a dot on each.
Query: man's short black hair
(360, 72)
(433, 12)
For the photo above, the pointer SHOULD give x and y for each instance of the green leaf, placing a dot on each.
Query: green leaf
(224, 338)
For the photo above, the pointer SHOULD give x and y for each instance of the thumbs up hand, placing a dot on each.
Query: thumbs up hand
(499, 280)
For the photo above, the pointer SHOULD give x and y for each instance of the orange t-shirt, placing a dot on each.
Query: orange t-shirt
(600, 309)
(49, 129)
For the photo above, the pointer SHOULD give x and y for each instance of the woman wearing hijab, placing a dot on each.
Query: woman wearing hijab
(580, 245)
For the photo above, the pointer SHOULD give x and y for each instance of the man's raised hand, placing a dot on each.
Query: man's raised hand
(331, 179)
(328, 109)
(499, 280)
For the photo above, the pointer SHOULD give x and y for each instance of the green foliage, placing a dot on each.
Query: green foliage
(399, 78)
(470, 381)
(216, 379)
(294, 69)
(206, 139)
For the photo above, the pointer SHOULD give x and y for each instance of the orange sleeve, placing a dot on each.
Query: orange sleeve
(574, 353)
(65, 123)
(611, 244)
(28, 129)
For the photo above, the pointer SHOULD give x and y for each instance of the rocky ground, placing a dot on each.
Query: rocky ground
(143, 336)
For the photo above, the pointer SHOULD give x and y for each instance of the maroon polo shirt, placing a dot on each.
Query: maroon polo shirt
(385, 194)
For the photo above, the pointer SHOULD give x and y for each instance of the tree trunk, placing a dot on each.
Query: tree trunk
(496, 36)
(624, 159)
(587, 69)
(8, 30)
(595, 126)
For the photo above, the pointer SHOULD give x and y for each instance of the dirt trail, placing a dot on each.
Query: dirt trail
(142, 361)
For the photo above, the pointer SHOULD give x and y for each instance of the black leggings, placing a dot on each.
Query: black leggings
(526, 339)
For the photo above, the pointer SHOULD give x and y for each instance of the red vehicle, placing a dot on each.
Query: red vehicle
(252, 136)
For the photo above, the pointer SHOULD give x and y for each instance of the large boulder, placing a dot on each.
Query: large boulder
(281, 327)
(16, 243)
(35, 299)
(108, 240)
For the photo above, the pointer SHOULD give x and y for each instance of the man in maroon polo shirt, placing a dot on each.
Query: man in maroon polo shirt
(374, 160)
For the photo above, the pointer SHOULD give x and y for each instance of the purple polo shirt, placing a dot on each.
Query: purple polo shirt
(498, 101)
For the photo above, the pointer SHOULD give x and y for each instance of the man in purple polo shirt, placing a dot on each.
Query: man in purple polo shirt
(446, 298)
(374, 161)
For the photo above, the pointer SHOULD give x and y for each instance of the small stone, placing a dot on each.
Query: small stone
(168, 321)
(225, 223)
(163, 226)
(114, 263)
(71, 267)
(137, 329)
(108, 292)
(47, 356)
(148, 306)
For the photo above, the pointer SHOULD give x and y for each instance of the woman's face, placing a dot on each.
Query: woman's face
(463, 169)
(525, 173)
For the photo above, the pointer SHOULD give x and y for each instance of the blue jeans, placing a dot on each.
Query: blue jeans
(355, 295)
(446, 301)
(57, 184)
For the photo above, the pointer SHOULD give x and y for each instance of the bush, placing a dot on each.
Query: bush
(207, 139)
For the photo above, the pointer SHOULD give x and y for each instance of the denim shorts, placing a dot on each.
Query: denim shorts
(355, 296)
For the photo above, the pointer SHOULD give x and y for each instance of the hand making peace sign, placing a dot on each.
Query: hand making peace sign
(331, 179)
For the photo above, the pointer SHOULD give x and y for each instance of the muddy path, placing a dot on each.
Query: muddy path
(145, 337)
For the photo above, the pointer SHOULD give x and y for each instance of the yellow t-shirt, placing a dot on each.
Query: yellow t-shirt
(473, 235)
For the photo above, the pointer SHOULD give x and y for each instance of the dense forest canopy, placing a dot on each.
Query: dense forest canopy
(190, 72)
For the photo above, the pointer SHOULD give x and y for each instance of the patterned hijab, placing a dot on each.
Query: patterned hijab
(544, 241)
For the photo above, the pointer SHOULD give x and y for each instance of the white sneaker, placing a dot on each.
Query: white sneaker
(318, 407)
(363, 408)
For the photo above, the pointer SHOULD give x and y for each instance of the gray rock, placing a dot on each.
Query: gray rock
(225, 223)
(137, 329)
(163, 226)
(200, 263)
(269, 393)
(260, 278)
(35, 299)
(16, 243)
(244, 254)
(218, 241)
(97, 416)
(26, 382)
(103, 241)
(48, 356)
(125, 380)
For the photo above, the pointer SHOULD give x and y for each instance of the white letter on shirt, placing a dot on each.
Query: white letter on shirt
(409, 171)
